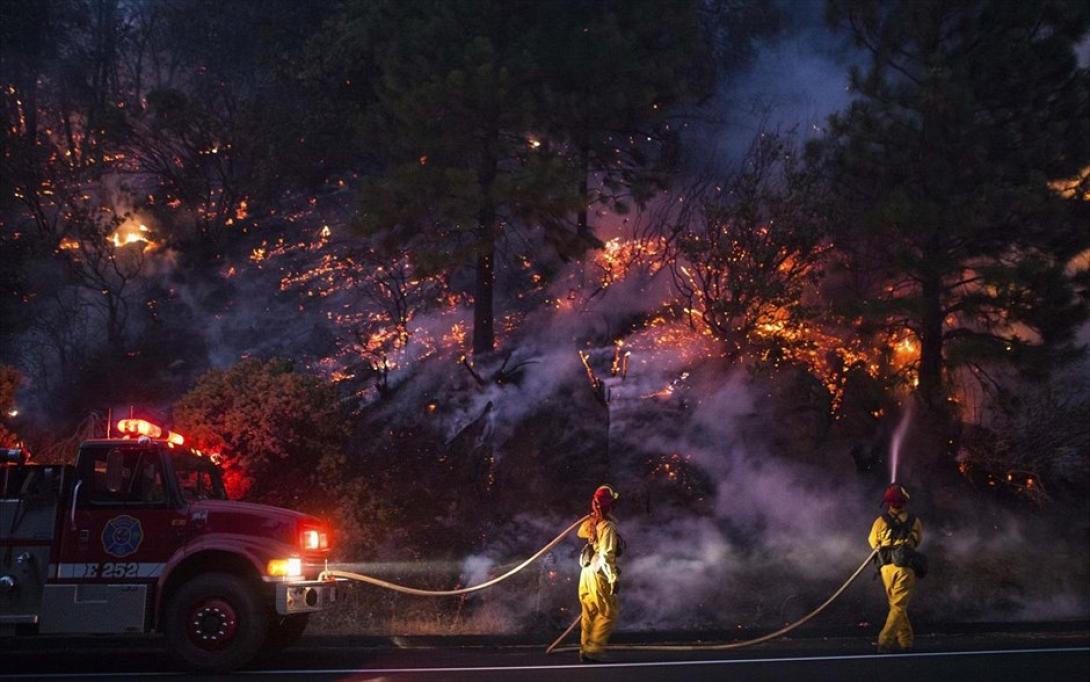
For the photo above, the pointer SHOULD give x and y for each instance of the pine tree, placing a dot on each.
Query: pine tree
(457, 89)
(617, 73)
(489, 117)
(942, 168)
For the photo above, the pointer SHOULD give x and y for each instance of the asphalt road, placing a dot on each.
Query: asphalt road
(992, 656)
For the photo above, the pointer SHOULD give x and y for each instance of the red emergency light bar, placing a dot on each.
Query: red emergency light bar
(141, 427)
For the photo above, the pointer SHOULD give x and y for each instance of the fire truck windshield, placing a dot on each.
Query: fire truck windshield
(198, 478)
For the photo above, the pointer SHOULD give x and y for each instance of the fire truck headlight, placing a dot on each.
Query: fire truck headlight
(287, 568)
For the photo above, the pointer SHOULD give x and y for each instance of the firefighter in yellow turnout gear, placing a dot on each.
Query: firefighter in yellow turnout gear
(891, 532)
(599, 577)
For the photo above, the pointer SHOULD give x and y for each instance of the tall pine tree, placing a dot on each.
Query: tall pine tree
(457, 89)
(617, 73)
(488, 117)
(942, 166)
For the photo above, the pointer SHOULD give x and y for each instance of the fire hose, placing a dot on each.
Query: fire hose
(720, 647)
(404, 589)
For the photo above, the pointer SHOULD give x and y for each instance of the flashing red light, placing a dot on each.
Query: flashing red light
(139, 427)
(130, 428)
(313, 539)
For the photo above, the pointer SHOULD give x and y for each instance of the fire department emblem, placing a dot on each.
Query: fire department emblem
(122, 535)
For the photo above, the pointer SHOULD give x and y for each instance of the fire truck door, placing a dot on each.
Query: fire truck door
(29, 500)
(117, 539)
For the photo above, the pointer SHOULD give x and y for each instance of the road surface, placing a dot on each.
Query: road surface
(961, 658)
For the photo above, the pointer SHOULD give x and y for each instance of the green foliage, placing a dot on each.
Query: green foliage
(942, 165)
(272, 425)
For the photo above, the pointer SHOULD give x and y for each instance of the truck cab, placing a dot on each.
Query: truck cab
(139, 537)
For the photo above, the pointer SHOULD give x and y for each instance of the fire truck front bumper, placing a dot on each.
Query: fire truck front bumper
(305, 596)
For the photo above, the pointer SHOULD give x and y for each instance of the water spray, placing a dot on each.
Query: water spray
(898, 441)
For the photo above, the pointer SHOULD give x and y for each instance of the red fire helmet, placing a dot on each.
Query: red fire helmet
(896, 495)
(604, 497)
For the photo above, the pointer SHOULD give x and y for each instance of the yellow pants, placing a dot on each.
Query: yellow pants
(599, 612)
(899, 582)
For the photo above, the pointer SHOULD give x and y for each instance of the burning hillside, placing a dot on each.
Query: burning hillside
(400, 266)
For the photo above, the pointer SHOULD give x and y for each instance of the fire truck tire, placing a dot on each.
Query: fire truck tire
(216, 622)
(284, 631)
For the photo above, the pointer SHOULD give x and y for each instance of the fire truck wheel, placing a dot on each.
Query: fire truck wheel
(215, 622)
(285, 631)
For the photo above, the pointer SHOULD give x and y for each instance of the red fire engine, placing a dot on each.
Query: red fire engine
(139, 537)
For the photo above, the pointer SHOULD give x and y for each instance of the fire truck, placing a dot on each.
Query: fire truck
(139, 537)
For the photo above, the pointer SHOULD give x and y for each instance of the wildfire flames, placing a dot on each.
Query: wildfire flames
(132, 232)
(777, 340)
(387, 315)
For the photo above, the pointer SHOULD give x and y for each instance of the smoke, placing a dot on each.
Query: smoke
(1082, 52)
(798, 77)
(476, 569)
(776, 536)
(739, 532)
(767, 518)
(784, 532)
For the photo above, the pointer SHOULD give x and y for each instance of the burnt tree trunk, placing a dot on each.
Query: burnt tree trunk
(483, 304)
(583, 226)
(931, 345)
(931, 340)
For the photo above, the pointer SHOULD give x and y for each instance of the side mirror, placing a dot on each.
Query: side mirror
(115, 471)
(75, 503)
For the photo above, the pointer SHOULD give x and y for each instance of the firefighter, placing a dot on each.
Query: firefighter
(598, 579)
(896, 534)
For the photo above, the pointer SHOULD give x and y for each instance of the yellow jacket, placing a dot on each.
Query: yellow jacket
(605, 547)
(881, 532)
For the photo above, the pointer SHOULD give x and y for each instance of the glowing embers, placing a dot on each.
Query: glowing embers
(620, 256)
(1014, 483)
(597, 386)
(385, 314)
(677, 472)
(668, 337)
(1077, 187)
(905, 355)
(669, 467)
(619, 366)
